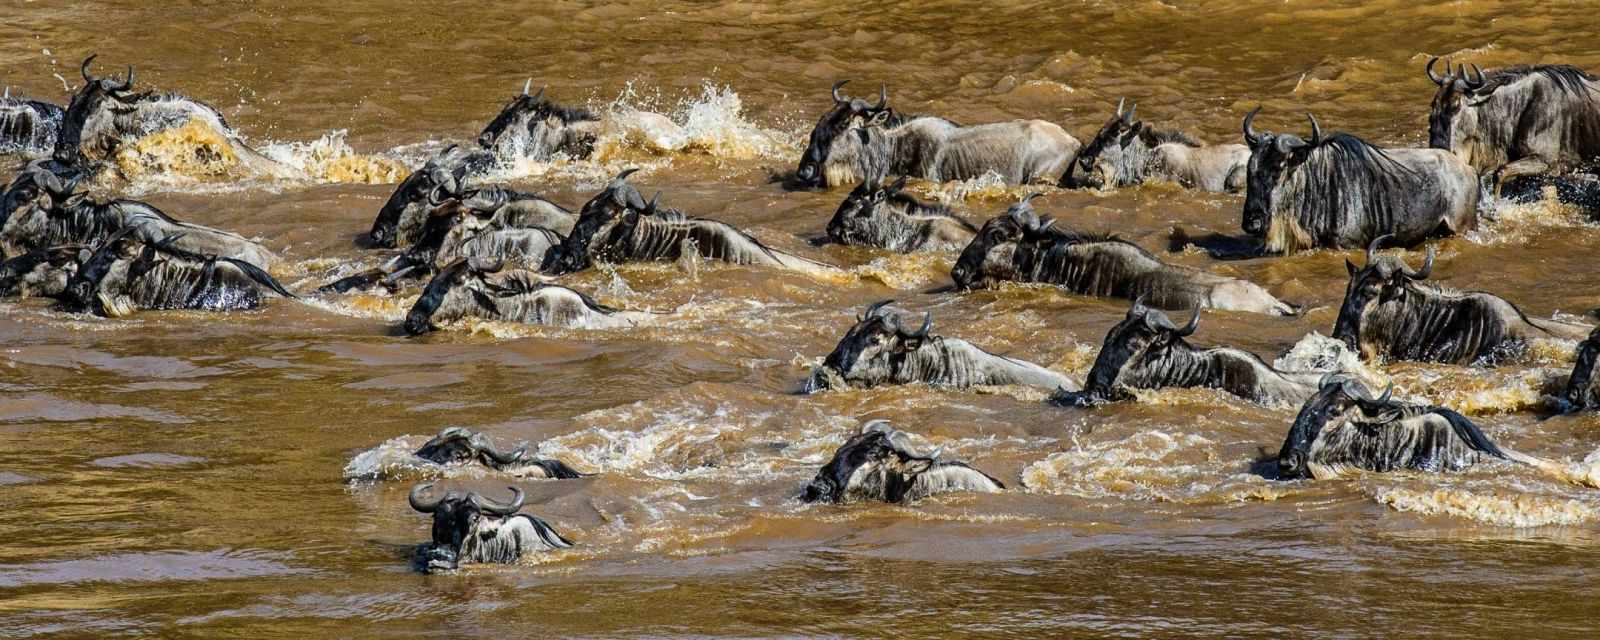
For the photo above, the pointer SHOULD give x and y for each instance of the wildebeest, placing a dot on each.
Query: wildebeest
(1389, 311)
(882, 463)
(888, 218)
(1582, 392)
(880, 350)
(533, 127)
(1342, 428)
(400, 221)
(459, 446)
(1341, 191)
(1520, 120)
(854, 140)
(469, 528)
(1147, 351)
(42, 209)
(1019, 246)
(106, 114)
(479, 289)
(1126, 152)
(28, 126)
(125, 274)
(41, 272)
(618, 226)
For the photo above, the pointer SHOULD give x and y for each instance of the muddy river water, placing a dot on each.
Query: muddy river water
(182, 474)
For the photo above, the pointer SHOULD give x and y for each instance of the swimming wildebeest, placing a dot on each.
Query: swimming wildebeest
(1019, 246)
(888, 218)
(1147, 351)
(1341, 191)
(41, 272)
(854, 140)
(1389, 311)
(880, 350)
(126, 274)
(456, 446)
(1343, 429)
(881, 463)
(1516, 121)
(28, 126)
(533, 127)
(618, 226)
(1126, 152)
(1582, 392)
(42, 209)
(104, 115)
(479, 289)
(469, 528)
(400, 221)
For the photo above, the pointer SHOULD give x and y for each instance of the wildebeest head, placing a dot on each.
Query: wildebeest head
(879, 461)
(403, 215)
(455, 516)
(1384, 279)
(1143, 339)
(43, 272)
(452, 291)
(839, 137)
(863, 212)
(25, 207)
(871, 350)
(1456, 88)
(610, 214)
(97, 286)
(989, 257)
(1273, 156)
(1337, 396)
(533, 126)
(1581, 392)
(97, 98)
(456, 445)
(1099, 163)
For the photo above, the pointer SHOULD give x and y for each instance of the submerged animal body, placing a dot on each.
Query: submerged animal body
(471, 529)
(459, 446)
(881, 463)
(1516, 121)
(1389, 312)
(1020, 247)
(618, 226)
(879, 350)
(28, 127)
(125, 275)
(1147, 351)
(1126, 152)
(888, 218)
(475, 289)
(41, 272)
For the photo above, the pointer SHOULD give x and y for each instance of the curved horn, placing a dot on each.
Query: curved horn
(1471, 84)
(85, 68)
(434, 198)
(1327, 378)
(1372, 249)
(1433, 76)
(883, 97)
(921, 332)
(482, 443)
(836, 97)
(1250, 134)
(539, 94)
(422, 504)
(650, 207)
(489, 505)
(622, 178)
(879, 425)
(872, 310)
(1120, 102)
(527, 85)
(1316, 131)
(1420, 274)
(1194, 324)
(1138, 309)
(127, 83)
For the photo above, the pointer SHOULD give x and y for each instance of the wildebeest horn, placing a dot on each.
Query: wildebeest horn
(879, 425)
(1250, 134)
(422, 504)
(1420, 274)
(433, 195)
(883, 97)
(1372, 249)
(622, 178)
(1194, 324)
(489, 505)
(922, 332)
(127, 83)
(1468, 82)
(1138, 309)
(539, 94)
(1120, 102)
(527, 85)
(872, 309)
(1127, 118)
(836, 97)
(650, 207)
(1316, 131)
(482, 443)
(85, 68)
(1433, 76)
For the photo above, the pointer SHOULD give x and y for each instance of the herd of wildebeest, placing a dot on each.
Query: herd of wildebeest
(483, 250)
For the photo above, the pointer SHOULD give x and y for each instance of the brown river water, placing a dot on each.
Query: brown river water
(181, 474)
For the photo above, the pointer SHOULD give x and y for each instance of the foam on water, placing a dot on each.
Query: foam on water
(1491, 506)
(1506, 222)
(331, 159)
(1149, 465)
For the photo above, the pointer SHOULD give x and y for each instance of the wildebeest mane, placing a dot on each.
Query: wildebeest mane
(1564, 77)
(520, 283)
(1153, 137)
(1348, 176)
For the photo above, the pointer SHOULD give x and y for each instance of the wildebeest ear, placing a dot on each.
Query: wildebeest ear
(1351, 266)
